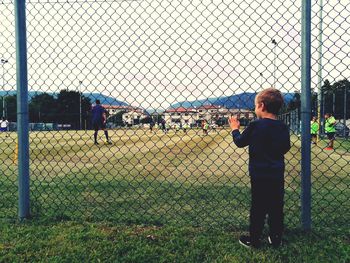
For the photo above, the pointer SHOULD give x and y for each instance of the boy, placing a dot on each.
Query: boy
(314, 130)
(330, 130)
(99, 118)
(268, 141)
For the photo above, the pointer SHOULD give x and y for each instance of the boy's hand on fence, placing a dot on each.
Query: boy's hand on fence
(234, 123)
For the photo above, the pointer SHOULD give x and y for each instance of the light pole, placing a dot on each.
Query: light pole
(345, 113)
(320, 94)
(3, 62)
(274, 62)
(80, 83)
(261, 80)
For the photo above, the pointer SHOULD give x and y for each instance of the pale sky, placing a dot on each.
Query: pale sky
(155, 53)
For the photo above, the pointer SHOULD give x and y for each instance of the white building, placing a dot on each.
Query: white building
(210, 113)
(134, 116)
(113, 109)
(181, 115)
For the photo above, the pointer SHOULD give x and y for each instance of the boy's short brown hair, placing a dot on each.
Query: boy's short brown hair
(272, 99)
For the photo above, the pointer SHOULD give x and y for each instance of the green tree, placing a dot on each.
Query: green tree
(43, 108)
(341, 90)
(68, 111)
(11, 108)
(117, 118)
(295, 103)
(328, 97)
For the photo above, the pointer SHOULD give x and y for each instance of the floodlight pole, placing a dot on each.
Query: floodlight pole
(3, 62)
(320, 107)
(80, 121)
(274, 62)
(345, 112)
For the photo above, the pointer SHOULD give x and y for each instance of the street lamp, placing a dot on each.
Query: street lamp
(3, 62)
(80, 83)
(274, 62)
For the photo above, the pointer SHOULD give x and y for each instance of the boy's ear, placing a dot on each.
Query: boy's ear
(262, 106)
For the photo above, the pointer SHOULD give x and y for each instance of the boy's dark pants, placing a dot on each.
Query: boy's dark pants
(267, 199)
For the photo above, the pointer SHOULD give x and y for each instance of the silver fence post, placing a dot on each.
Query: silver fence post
(306, 115)
(22, 110)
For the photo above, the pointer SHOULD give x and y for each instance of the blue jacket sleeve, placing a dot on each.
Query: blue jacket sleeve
(242, 139)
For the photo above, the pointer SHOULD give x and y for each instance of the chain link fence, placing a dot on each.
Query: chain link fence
(162, 70)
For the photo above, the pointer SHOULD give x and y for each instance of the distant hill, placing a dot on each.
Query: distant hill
(243, 100)
(13, 92)
(93, 96)
(104, 99)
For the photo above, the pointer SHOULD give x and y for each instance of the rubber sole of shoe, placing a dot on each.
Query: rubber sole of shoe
(245, 245)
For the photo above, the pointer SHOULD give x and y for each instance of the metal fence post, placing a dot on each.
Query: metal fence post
(306, 115)
(22, 110)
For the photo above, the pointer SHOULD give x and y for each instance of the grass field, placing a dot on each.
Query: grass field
(162, 198)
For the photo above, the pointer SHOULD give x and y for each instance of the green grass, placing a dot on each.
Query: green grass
(68, 241)
(162, 198)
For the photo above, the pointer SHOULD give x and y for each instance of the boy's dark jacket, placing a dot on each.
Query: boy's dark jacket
(268, 142)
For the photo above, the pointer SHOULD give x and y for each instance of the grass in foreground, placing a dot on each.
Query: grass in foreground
(66, 241)
(161, 198)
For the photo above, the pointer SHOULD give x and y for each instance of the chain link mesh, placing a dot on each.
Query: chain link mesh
(172, 63)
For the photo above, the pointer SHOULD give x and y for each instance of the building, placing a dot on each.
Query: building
(240, 113)
(133, 117)
(210, 113)
(181, 115)
(114, 109)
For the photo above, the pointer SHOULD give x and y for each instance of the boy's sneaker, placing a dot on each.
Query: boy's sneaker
(96, 143)
(275, 241)
(328, 148)
(246, 242)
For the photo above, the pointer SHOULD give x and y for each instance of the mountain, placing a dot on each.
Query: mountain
(104, 99)
(92, 96)
(13, 92)
(243, 100)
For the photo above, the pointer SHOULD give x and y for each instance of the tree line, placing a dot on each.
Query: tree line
(335, 99)
(62, 108)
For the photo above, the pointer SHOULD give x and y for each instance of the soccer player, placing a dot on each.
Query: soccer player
(99, 118)
(186, 126)
(151, 126)
(314, 130)
(205, 127)
(330, 130)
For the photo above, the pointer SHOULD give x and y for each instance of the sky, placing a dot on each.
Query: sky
(152, 54)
